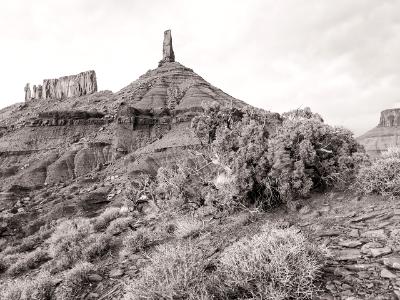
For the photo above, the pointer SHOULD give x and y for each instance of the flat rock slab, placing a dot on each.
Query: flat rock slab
(385, 273)
(348, 254)
(329, 233)
(377, 252)
(350, 244)
(367, 216)
(366, 249)
(374, 234)
(392, 262)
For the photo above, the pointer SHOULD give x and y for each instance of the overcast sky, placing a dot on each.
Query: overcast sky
(339, 57)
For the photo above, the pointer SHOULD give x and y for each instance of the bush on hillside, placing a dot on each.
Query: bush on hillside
(268, 159)
(184, 184)
(306, 154)
(381, 176)
(274, 264)
(239, 143)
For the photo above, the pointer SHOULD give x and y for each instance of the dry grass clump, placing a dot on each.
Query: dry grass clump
(274, 264)
(104, 219)
(187, 226)
(68, 241)
(175, 272)
(381, 176)
(76, 280)
(138, 240)
(40, 288)
(98, 245)
(31, 242)
(119, 225)
(28, 261)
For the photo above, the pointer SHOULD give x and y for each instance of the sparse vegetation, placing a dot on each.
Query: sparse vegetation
(187, 226)
(138, 240)
(381, 176)
(175, 272)
(39, 288)
(105, 218)
(68, 241)
(119, 225)
(274, 264)
(27, 261)
(76, 280)
(97, 245)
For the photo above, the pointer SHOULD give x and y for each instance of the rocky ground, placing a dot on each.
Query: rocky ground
(361, 234)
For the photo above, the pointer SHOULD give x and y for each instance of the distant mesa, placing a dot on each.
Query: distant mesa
(383, 136)
(84, 83)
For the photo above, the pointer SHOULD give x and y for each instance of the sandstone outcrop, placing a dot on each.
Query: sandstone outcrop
(383, 136)
(84, 83)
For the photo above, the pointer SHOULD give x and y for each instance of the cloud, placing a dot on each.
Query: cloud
(337, 57)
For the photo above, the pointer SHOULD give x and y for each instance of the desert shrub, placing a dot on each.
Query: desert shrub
(104, 219)
(138, 240)
(119, 225)
(306, 154)
(268, 159)
(28, 261)
(39, 288)
(75, 280)
(97, 246)
(381, 176)
(187, 226)
(274, 264)
(239, 144)
(174, 272)
(67, 242)
(184, 184)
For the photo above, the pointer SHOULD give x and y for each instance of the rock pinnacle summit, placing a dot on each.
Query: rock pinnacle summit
(168, 51)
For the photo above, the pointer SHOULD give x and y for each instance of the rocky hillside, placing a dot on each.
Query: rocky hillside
(383, 136)
(79, 218)
(69, 130)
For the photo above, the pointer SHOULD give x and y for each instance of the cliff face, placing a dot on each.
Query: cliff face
(390, 118)
(383, 136)
(84, 83)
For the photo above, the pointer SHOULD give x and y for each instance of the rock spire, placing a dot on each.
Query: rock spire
(168, 51)
(27, 90)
